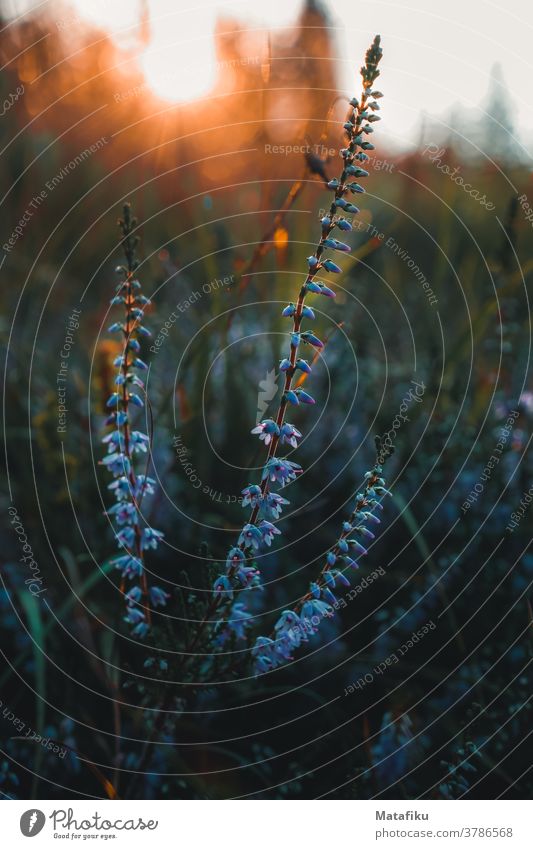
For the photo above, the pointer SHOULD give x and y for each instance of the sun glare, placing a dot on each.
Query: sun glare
(179, 66)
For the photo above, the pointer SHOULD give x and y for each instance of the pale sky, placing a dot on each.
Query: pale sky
(436, 54)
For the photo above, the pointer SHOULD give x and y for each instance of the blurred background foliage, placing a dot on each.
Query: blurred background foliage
(206, 192)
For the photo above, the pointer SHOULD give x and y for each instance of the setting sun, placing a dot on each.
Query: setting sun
(179, 63)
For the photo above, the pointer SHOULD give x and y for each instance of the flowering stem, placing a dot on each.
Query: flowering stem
(328, 223)
(124, 443)
(129, 251)
(238, 574)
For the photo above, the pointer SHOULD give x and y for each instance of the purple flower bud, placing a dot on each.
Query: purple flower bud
(289, 311)
(292, 397)
(341, 246)
(252, 496)
(251, 537)
(360, 549)
(342, 224)
(304, 397)
(314, 589)
(266, 430)
(235, 556)
(342, 578)
(328, 595)
(288, 619)
(281, 471)
(303, 365)
(329, 265)
(134, 595)
(355, 171)
(272, 504)
(150, 538)
(290, 434)
(140, 630)
(158, 597)
(134, 616)
(268, 531)
(222, 586)
(311, 339)
(311, 286)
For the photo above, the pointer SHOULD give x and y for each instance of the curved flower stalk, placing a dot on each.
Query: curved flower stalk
(265, 504)
(295, 625)
(124, 444)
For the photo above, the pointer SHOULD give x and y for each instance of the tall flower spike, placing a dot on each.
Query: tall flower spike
(319, 603)
(278, 470)
(123, 444)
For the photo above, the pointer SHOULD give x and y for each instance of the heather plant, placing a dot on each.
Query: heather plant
(125, 445)
(266, 504)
